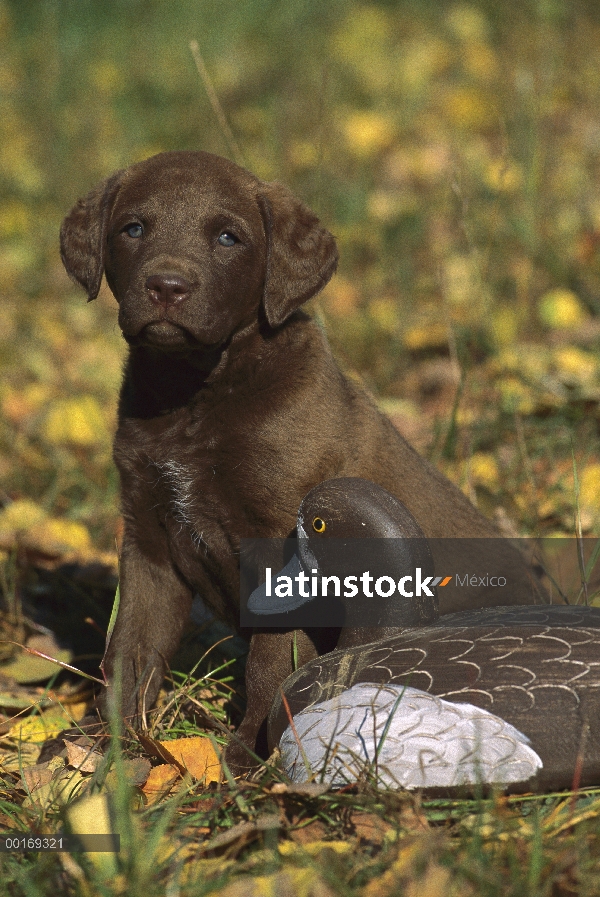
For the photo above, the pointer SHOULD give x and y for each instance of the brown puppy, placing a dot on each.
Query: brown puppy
(231, 408)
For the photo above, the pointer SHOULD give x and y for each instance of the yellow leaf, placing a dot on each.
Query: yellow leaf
(504, 176)
(27, 667)
(77, 421)
(37, 729)
(55, 536)
(576, 363)
(77, 709)
(589, 488)
(385, 313)
(342, 297)
(367, 133)
(484, 470)
(160, 782)
(467, 22)
(197, 755)
(93, 815)
(469, 108)
(505, 325)
(20, 515)
(17, 406)
(561, 309)
(314, 848)
(425, 336)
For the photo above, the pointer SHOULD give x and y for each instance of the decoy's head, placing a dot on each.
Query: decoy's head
(347, 527)
(352, 508)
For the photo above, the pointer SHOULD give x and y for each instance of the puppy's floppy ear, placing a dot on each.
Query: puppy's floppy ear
(83, 235)
(301, 255)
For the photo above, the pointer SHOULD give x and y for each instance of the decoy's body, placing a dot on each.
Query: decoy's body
(505, 695)
(536, 668)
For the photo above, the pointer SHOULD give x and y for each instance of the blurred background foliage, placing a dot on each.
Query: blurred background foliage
(452, 148)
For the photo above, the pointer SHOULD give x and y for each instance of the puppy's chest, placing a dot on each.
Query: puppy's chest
(183, 495)
(191, 480)
(208, 481)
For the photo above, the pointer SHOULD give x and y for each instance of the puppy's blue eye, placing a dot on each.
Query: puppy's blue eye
(134, 230)
(227, 239)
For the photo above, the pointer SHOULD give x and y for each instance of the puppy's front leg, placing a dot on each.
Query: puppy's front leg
(155, 604)
(270, 661)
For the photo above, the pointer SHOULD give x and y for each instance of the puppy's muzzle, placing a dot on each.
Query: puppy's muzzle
(166, 290)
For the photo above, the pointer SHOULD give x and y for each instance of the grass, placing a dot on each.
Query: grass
(452, 149)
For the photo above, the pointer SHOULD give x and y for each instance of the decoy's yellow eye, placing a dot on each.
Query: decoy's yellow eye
(319, 525)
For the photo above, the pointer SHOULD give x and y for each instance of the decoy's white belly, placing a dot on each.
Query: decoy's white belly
(404, 737)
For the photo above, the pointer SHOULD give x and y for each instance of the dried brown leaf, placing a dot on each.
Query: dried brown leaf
(160, 782)
(82, 757)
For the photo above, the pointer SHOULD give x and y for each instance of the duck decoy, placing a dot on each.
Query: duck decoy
(365, 528)
(355, 522)
(504, 695)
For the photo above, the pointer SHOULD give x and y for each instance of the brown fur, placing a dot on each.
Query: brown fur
(232, 406)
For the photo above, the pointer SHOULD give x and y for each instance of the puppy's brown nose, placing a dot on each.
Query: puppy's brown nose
(167, 289)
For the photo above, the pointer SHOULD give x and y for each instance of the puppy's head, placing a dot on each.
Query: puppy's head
(192, 246)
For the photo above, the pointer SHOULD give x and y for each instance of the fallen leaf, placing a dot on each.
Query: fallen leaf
(306, 834)
(77, 709)
(93, 815)
(370, 827)
(27, 667)
(315, 848)
(158, 750)
(82, 757)
(434, 883)
(75, 421)
(135, 771)
(61, 789)
(160, 781)
(197, 756)
(39, 728)
(35, 776)
(20, 515)
(290, 883)
(56, 536)
(560, 309)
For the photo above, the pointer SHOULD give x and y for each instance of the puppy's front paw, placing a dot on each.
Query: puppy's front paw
(241, 760)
